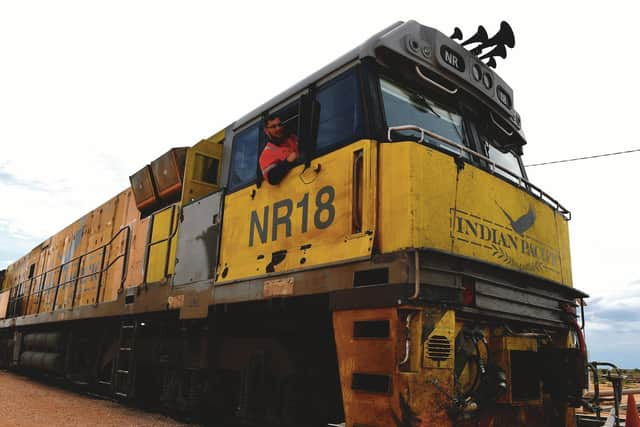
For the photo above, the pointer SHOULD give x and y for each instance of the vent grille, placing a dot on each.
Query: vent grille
(439, 348)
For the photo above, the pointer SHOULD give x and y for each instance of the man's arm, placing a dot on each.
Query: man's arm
(276, 173)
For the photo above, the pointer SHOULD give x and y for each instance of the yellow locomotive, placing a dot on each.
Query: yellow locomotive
(404, 272)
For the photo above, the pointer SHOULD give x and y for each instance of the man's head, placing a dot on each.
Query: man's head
(274, 129)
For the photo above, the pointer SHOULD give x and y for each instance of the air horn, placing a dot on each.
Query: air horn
(457, 34)
(500, 41)
(504, 36)
(479, 37)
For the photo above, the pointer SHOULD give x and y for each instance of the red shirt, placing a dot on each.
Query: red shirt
(274, 154)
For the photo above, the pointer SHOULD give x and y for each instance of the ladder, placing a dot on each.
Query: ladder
(124, 368)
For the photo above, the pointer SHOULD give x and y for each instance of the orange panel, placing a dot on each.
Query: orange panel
(168, 170)
(143, 188)
(409, 395)
(136, 252)
(114, 262)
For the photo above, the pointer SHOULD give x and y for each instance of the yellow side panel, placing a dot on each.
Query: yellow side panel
(395, 214)
(562, 225)
(306, 220)
(502, 224)
(426, 201)
(417, 187)
(162, 244)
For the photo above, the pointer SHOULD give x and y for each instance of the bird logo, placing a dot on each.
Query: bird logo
(522, 224)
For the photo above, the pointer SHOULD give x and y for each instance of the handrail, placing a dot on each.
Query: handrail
(434, 83)
(496, 124)
(541, 194)
(75, 279)
(169, 238)
(597, 398)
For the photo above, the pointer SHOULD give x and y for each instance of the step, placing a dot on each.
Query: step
(122, 371)
(126, 348)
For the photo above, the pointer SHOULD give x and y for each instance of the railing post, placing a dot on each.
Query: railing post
(12, 301)
(104, 252)
(169, 240)
(19, 298)
(26, 305)
(125, 260)
(15, 300)
(75, 285)
(44, 279)
(55, 296)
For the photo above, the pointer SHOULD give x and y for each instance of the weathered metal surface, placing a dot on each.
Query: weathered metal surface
(377, 387)
(306, 220)
(4, 302)
(167, 171)
(155, 297)
(143, 188)
(196, 302)
(278, 287)
(135, 268)
(161, 247)
(198, 240)
(82, 264)
(427, 201)
(175, 302)
(203, 168)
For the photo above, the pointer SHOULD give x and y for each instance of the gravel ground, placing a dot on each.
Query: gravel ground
(26, 402)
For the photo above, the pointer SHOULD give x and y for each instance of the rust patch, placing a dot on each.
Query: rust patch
(278, 287)
(175, 302)
(195, 306)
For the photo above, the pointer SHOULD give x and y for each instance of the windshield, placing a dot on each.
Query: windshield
(403, 106)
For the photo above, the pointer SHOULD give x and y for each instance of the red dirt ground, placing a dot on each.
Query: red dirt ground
(25, 402)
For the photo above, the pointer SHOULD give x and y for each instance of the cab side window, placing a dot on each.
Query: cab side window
(341, 117)
(244, 157)
(205, 169)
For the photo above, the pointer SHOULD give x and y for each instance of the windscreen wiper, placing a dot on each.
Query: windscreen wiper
(417, 98)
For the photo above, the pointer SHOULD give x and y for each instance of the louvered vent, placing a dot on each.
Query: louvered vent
(439, 348)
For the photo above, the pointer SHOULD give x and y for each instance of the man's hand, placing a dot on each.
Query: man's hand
(292, 157)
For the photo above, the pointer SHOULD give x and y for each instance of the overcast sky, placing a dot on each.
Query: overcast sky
(92, 91)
